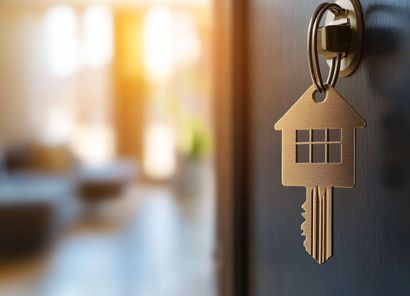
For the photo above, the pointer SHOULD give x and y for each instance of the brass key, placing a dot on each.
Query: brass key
(317, 228)
(318, 152)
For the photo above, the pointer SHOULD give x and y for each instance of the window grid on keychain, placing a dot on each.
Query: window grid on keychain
(319, 146)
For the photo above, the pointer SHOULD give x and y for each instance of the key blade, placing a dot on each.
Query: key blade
(318, 225)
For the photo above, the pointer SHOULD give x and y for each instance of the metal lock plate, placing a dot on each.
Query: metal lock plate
(355, 17)
(334, 39)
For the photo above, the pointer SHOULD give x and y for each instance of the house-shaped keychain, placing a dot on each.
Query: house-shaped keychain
(318, 152)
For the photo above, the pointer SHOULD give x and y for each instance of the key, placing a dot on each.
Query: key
(318, 225)
(318, 153)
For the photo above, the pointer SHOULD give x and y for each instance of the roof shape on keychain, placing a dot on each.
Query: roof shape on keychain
(332, 112)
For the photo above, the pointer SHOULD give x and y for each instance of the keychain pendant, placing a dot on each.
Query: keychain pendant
(318, 152)
(318, 137)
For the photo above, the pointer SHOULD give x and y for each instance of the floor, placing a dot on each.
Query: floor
(151, 243)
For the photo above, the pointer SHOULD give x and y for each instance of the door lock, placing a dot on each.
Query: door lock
(334, 39)
(342, 35)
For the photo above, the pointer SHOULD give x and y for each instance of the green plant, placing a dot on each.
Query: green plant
(197, 139)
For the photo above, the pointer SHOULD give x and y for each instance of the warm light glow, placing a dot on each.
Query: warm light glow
(93, 144)
(60, 36)
(189, 2)
(159, 150)
(187, 42)
(169, 39)
(58, 126)
(97, 46)
(158, 42)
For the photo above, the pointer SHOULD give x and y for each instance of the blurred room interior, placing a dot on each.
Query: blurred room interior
(107, 175)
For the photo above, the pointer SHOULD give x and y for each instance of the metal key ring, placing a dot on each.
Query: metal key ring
(314, 68)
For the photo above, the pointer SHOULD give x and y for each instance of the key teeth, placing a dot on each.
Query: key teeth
(305, 211)
(305, 227)
(306, 241)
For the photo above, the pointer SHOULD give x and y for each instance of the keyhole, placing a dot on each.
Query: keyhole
(319, 97)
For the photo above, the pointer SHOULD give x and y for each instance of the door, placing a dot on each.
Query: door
(372, 220)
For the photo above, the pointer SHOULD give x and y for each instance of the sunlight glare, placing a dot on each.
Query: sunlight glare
(61, 40)
(98, 36)
(158, 41)
(159, 150)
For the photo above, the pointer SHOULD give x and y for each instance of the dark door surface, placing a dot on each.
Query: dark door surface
(372, 220)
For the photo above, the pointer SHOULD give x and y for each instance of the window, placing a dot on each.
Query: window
(61, 40)
(319, 146)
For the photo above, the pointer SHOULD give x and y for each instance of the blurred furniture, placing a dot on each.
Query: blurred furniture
(38, 190)
(52, 159)
(93, 183)
(105, 181)
(39, 159)
(16, 158)
(32, 211)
